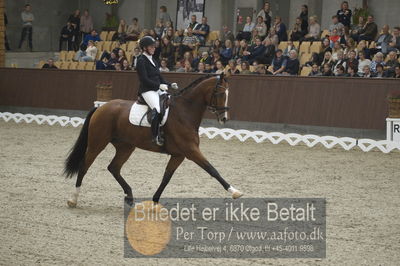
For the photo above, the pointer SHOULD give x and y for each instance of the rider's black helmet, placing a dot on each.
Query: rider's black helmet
(146, 41)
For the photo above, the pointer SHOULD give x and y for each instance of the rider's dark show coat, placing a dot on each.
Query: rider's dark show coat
(149, 75)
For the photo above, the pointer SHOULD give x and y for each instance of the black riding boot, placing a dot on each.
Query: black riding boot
(155, 127)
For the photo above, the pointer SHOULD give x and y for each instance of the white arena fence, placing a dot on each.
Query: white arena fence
(242, 135)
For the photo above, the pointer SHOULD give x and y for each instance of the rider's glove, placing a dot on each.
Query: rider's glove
(174, 86)
(163, 87)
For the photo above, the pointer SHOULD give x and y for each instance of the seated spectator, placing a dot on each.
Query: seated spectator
(121, 56)
(327, 70)
(394, 45)
(226, 34)
(153, 34)
(236, 49)
(163, 66)
(168, 51)
(243, 47)
(314, 60)
(164, 16)
(352, 60)
(247, 30)
(383, 40)
(260, 28)
(391, 64)
(269, 52)
(334, 37)
(121, 33)
(368, 33)
(397, 72)
(93, 36)
(189, 42)
(336, 25)
(66, 36)
(193, 23)
(168, 33)
(278, 63)
(226, 53)
(289, 48)
(352, 72)
(135, 55)
(344, 14)
(327, 60)
(133, 31)
(201, 67)
(366, 72)
(205, 58)
(266, 14)
(89, 55)
(315, 71)
(217, 46)
(186, 68)
(314, 30)
(378, 60)
(108, 54)
(202, 30)
(188, 56)
(178, 39)
(298, 33)
(350, 46)
(340, 61)
(357, 28)
(232, 69)
(362, 62)
(86, 23)
(178, 65)
(214, 58)
(255, 52)
(118, 67)
(107, 64)
(379, 73)
(50, 64)
(245, 68)
(337, 48)
(325, 47)
(219, 67)
(126, 66)
(273, 37)
(260, 70)
(292, 64)
(339, 71)
(208, 68)
(158, 29)
(280, 29)
(362, 46)
(304, 18)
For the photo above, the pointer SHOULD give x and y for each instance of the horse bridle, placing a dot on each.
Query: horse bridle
(218, 111)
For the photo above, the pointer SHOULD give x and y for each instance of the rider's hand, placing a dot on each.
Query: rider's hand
(174, 86)
(163, 87)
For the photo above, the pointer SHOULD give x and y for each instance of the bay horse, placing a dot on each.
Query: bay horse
(110, 123)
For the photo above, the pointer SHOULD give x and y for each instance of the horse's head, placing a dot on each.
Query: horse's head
(218, 99)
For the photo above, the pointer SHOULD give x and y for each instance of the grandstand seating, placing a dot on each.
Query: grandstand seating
(305, 71)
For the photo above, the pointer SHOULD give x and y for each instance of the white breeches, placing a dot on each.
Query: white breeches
(152, 98)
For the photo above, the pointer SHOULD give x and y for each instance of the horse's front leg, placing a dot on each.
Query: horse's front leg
(196, 156)
(173, 164)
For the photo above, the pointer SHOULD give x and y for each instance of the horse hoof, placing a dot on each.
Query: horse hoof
(237, 194)
(129, 201)
(71, 203)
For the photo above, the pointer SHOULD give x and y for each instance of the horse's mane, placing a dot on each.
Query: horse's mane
(194, 83)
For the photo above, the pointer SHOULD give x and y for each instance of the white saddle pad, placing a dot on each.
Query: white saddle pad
(138, 111)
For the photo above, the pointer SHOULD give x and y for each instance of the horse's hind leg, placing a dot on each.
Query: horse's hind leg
(123, 151)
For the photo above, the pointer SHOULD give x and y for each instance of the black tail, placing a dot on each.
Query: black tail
(76, 155)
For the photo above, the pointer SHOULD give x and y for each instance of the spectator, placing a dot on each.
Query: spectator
(188, 56)
(260, 70)
(245, 68)
(164, 16)
(352, 72)
(50, 64)
(397, 72)
(368, 33)
(201, 67)
(394, 45)
(75, 20)
(269, 52)
(391, 64)
(187, 68)
(336, 25)
(217, 46)
(215, 57)
(226, 34)
(314, 60)
(232, 69)
(334, 37)
(243, 47)
(340, 61)
(202, 30)
(247, 30)
(278, 63)
(219, 67)
(356, 30)
(90, 54)
(66, 36)
(383, 40)
(126, 66)
(178, 65)
(314, 30)
(379, 73)
(133, 30)
(297, 32)
(378, 60)
(327, 60)
(315, 71)
(325, 47)
(350, 46)
(107, 64)
(189, 42)
(256, 51)
(362, 62)
(327, 70)
(236, 49)
(86, 24)
(107, 54)
(205, 58)
(266, 15)
(289, 48)
(280, 29)
(193, 23)
(208, 68)
(163, 66)
(226, 53)
(93, 36)
(121, 56)
(158, 29)
(366, 72)
(168, 33)
(121, 33)
(273, 37)
(336, 49)
(135, 55)
(340, 71)
(27, 26)
(177, 41)
(344, 14)
(118, 67)
(168, 52)
(304, 18)
(362, 46)
(260, 28)
(292, 64)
